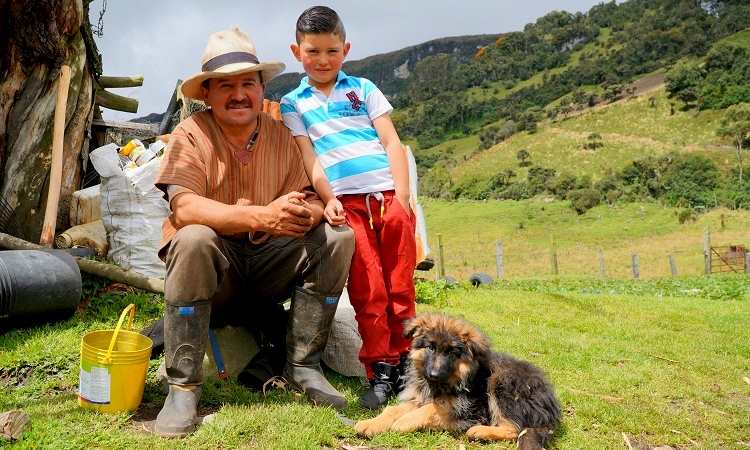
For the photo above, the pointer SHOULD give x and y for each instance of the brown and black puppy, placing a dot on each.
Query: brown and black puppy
(454, 381)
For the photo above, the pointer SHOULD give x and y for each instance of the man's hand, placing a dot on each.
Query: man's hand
(289, 215)
(334, 213)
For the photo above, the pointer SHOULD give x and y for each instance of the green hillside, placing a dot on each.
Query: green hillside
(630, 129)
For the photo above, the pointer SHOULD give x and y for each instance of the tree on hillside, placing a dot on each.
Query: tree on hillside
(735, 125)
(522, 156)
(594, 141)
(684, 81)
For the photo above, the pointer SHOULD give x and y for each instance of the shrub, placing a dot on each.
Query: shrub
(692, 179)
(472, 188)
(686, 214)
(517, 191)
(431, 137)
(581, 200)
(436, 183)
(562, 184)
(539, 179)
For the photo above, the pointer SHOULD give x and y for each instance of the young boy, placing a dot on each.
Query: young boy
(357, 164)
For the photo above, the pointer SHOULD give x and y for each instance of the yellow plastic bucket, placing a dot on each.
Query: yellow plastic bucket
(113, 368)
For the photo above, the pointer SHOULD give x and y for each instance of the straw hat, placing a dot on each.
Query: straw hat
(229, 52)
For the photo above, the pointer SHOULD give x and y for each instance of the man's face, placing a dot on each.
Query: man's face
(235, 100)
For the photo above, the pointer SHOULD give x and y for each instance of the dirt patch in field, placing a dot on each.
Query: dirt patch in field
(144, 418)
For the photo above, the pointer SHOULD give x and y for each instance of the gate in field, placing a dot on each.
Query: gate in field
(728, 259)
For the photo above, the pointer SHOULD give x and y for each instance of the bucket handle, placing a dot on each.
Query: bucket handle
(131, 309)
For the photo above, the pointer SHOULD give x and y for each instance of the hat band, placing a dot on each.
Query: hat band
(228, 58)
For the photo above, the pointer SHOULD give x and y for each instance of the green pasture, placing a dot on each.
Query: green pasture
(530, 231)
(654, 369)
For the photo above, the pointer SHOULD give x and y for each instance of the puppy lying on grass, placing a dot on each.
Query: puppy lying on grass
(454, 381)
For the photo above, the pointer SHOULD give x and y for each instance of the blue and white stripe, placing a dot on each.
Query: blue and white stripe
(341, 130)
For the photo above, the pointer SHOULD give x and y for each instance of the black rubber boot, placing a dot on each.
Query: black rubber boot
(186, 326)
(310, 319)
(385, 377)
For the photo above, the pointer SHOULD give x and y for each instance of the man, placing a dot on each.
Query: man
(245, 234)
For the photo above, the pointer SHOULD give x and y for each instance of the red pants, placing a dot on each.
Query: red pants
(381, 278)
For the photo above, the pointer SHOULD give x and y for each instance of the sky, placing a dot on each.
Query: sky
(164, 40)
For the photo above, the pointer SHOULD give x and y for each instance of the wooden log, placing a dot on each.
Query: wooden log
(120, 82)
(12, 424)
(55, 178)
(108, 100)
(93, 267)
(126, 126)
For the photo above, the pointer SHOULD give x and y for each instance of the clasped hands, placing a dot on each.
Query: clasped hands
(290, 215)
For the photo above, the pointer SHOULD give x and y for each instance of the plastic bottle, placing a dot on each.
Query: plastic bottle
(128, 148)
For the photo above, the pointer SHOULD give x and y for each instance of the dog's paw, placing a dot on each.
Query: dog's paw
(407, 423)
(370, 427)
(505, 431)
(478, 432)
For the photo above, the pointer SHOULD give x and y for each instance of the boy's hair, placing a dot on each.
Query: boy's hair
(320, 20)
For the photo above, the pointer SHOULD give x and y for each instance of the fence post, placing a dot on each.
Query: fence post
(441, 266)
(672, 265)
(554, 256)
(707, 250)
(499, 258)
(636, 270)
(601, 264)
(747, 263)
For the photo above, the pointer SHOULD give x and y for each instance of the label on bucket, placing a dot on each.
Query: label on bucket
(94, 385)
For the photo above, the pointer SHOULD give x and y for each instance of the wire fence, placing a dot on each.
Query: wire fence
(523, 260)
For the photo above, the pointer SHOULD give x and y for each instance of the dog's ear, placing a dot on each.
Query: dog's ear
(412, 325)
(477, 342)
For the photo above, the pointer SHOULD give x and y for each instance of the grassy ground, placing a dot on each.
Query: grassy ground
(662, 369)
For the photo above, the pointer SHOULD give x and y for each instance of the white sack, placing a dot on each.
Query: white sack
(132, 211)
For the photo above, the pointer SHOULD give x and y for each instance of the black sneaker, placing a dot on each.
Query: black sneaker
(381, 385)
(401, 380)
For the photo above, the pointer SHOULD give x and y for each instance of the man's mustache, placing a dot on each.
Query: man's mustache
(235, 103)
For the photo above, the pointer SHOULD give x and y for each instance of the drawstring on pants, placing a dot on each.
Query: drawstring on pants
(379, 197)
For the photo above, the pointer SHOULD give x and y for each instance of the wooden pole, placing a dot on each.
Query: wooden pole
(93, 267)
(707, 251)
(636, 269)
(672, 265)
(554, 256)
(120, 82)
(109, 100)
(747, 263)
(601, 264)
(499, 258)
(441, 264)
(55, 177)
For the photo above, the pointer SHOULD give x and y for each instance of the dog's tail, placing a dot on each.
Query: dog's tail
(534, 438)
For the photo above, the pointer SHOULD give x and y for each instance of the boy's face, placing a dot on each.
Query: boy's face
(321, 56)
